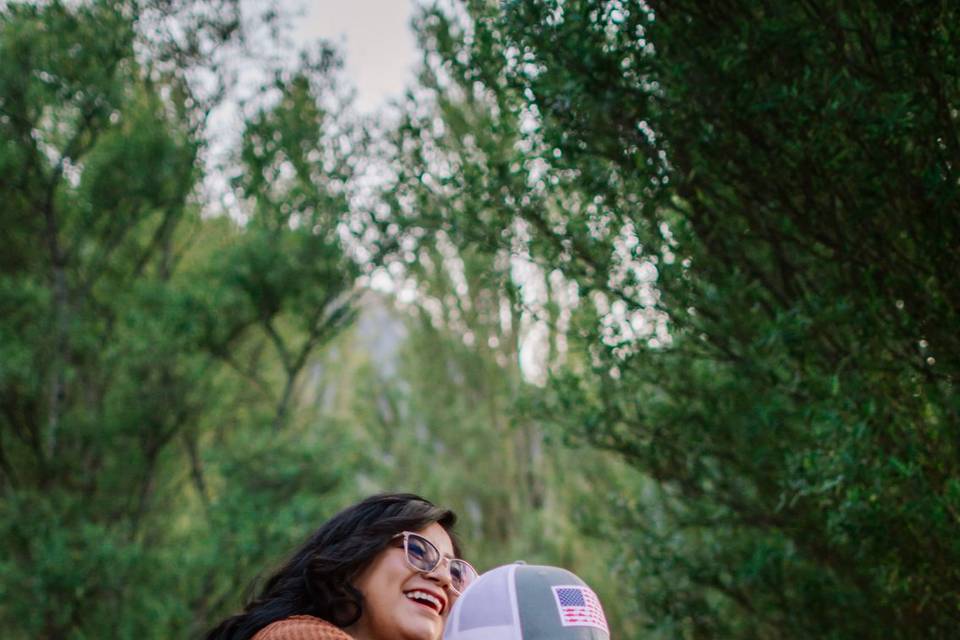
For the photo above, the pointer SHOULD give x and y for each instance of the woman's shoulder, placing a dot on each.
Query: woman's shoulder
(301, 628)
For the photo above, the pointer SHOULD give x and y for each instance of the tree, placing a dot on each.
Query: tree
(758, 206)
(459, 418)
(150, 355)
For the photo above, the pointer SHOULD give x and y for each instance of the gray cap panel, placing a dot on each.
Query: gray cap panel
(540, 609)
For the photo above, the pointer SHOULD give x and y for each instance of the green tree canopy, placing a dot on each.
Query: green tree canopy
(152, 456)
(758, 206)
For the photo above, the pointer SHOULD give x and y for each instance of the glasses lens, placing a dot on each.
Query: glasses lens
(421, 553)
(461, 574)
(423, 556)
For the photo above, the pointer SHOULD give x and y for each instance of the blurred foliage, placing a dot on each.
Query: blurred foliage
(758, 207)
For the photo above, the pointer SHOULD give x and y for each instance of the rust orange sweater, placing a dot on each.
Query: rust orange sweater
(301, 628)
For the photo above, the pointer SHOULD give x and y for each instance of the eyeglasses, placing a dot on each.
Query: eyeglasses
(423, 556)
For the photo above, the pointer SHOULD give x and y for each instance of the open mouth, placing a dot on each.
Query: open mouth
(425, 599)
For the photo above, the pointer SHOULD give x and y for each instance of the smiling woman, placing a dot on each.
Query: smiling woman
(383, 569)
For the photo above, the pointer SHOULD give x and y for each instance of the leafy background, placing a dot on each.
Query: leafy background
(674, 305)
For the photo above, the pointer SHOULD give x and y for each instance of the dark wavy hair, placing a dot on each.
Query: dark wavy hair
(316, 580)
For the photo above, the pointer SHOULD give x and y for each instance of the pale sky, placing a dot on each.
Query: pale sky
(375, 38)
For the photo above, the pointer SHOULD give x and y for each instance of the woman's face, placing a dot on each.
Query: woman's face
(400, 603)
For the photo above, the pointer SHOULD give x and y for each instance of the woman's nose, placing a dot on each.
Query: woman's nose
(441, 573)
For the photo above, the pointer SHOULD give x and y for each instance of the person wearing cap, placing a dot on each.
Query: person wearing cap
(527, 602)
(386, 568)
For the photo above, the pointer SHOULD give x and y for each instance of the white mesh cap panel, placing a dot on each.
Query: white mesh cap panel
(487, 610)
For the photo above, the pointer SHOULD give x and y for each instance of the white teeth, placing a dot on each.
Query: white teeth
(423, 595)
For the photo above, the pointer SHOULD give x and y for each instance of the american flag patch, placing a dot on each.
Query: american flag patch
(579, 607)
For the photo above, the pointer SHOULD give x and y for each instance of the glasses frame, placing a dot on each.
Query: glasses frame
(406, 535)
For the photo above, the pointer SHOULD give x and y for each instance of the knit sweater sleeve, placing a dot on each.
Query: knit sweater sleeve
(301, 628)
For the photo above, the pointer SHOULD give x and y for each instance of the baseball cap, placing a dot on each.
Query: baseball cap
(527, 602)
